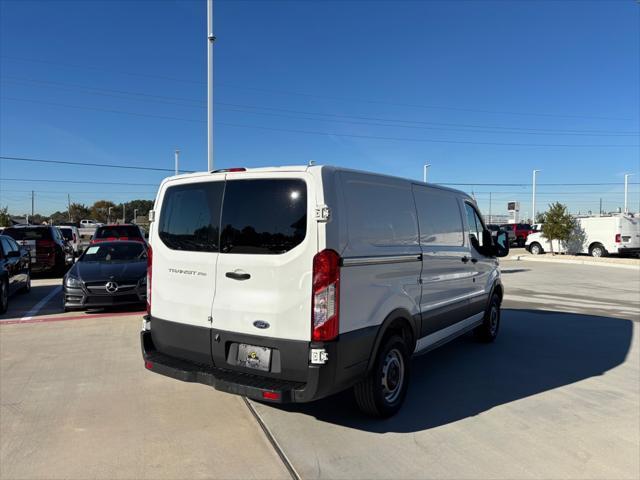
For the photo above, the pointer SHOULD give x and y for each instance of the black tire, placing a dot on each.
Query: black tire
(27, 287)
(598, 250)
(488, 331)
(4, 296)
(382, 392)
(535, 248)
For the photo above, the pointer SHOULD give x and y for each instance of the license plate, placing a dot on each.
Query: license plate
(251, 356)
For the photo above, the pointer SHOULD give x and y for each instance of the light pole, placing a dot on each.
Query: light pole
(177, 159)
(533, 197)
(109, 215)
(135, 215)
(210, 39)
(626, 191)
(426, 169)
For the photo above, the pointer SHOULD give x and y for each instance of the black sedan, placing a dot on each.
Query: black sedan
(15, 270)
(107, 274)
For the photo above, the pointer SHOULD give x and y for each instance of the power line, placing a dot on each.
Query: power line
(88, 164)
(201, 104)
(47, 180)
(319, 96)
(480, 184)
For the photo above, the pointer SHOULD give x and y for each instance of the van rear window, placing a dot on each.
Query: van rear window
(190, 217)
(263, 216)
(35, 233)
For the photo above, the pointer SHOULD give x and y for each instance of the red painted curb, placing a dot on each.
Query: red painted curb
(86, 316)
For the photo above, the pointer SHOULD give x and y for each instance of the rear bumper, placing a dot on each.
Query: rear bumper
(296, 381)
(629, 250)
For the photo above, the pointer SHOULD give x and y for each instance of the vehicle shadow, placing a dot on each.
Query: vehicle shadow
(536, 351)
(514, 270)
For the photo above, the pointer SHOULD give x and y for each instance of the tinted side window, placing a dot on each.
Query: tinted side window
(6, 247)
(379, 213)
(438, 217)
(263, 216)
(190, 217)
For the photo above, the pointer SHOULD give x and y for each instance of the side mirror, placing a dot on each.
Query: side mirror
(502, 244)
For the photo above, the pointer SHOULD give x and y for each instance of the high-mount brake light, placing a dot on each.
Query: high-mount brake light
(233, 169)
(149, 277)
(325, 299)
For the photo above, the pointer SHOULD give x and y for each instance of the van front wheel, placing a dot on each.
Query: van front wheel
(382, 392)
(487, 331)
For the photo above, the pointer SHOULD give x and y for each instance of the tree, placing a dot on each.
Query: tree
(142, 207)
(79, 212)
(558, 224)
(5, 218)
(57, 218)
(540, 216)
(100, 210)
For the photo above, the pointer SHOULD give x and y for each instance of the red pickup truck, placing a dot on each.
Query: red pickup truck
(522, 231)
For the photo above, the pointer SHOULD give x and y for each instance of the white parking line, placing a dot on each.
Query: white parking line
(36, 308)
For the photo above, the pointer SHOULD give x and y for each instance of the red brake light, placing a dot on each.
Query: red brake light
(233, 169)
(149, 275)
(325, 300)
(618, 238)
(271, 395)
(148, 365)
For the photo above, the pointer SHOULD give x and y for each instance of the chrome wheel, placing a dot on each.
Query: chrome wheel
(392, 375)
(596, 252)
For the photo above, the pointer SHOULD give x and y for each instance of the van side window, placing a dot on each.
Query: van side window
(380, 214)
(475, 226)
(190, 217)
(263, 216)
(439, 217)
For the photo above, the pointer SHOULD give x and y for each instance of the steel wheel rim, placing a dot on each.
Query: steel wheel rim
(535, 250)
(597, 252)
(392, 375)
(494, 315)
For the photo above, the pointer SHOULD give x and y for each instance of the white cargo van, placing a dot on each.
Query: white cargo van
(597, 236)
(290, 284)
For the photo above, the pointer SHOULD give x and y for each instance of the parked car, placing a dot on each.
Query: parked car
(537, 227)
(46, 245)
(107, 274)
(520, 230)
(15, 270)
(597, 236)
(291, 284)
(89, 223)
(72, 236)
(108, 233)
(495, 229)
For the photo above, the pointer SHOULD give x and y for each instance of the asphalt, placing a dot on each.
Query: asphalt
(556, 396)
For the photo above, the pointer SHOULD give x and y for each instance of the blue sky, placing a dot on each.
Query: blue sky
(447, 83)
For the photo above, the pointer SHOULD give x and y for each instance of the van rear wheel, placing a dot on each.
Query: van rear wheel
(382, 392)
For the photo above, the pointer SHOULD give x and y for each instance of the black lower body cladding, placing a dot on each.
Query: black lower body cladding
(209, 356)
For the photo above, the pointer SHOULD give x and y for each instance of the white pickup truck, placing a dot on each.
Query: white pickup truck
(597, 236)
(88, 228)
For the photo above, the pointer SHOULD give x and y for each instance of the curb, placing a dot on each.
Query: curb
(528, 258)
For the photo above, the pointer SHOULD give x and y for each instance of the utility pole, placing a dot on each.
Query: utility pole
(135, 215)
(210, 40)
(490, 219)
(626, 191)
(426, 169)
(123, 212)
(69, 206)
(177, 160)
(109, 215)
(533, 198)
(32, 203)
(600, 207)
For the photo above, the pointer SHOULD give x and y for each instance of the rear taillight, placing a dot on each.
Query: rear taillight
(149, 275)
(618, 238)
(326, 296)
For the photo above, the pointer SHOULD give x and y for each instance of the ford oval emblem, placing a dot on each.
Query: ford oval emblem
(261, 324)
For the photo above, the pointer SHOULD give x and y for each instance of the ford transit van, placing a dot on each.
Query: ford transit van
(290, 284)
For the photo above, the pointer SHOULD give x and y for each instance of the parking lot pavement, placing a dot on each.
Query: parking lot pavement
(556, 396)
(76, 402)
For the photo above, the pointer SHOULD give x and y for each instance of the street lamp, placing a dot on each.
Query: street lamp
(426, 169)
(135, 215)
(109, 215)
(533, 197)
(626, 191)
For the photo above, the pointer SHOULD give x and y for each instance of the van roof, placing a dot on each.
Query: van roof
(304, 168)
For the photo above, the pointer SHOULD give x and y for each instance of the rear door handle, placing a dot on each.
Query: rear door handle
(238, 275)
(465, 259)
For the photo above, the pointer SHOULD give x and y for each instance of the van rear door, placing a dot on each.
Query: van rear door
(185, 251)
(629, 233)
(268, 240)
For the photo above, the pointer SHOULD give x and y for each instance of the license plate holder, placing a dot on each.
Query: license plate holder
(252, 356)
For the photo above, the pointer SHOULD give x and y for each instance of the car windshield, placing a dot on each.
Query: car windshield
(118, 231)
(33, 233)
(114, 252)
